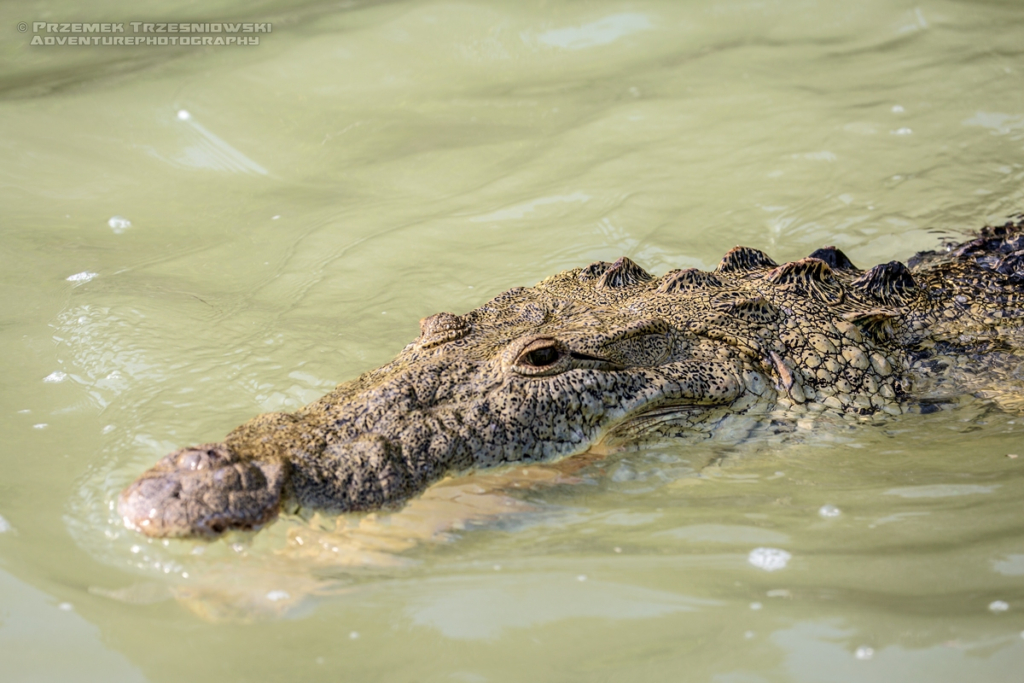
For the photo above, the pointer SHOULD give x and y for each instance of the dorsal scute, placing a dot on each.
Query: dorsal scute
(878, 324)
(834, 257)
(805, 271)
(890, 283)
(593, 271)
(741, 259)
(755, 309)
(622, 273)
(687, 281)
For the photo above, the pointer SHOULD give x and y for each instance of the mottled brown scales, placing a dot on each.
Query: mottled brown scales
(608, 353)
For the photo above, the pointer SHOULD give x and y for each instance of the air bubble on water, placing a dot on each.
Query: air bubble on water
(497, 567)
(119, 224)
(756, 606)
(135, 549)
(274, 218)
(998, 606)
(238, 547)
(581, 577)
(829, 511)
(81, 278)
(769, 559)
(748, 635)
(901, 131)
(183, 115)
(274, 596)
(5, 526)
(354, 635)
(65, 606)
(864, 652)
(41, 425)
(108, 429)
(897, 109)
(55, 377)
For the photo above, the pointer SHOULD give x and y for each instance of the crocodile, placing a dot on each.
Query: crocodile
(609, 354)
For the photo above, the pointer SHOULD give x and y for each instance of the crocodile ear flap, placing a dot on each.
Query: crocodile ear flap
(876, 324)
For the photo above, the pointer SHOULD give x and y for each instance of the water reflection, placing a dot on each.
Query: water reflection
(474, 607)
(600, 32)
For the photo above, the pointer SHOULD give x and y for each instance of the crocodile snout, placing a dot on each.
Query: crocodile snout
(203, 491)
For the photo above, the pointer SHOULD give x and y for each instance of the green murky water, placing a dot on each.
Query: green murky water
(194, 235)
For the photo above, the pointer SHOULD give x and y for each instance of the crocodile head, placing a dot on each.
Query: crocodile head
(535, 374)
(603, 353)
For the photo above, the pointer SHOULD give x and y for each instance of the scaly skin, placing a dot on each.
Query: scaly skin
(599, 354)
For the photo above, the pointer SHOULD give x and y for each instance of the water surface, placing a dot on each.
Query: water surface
(191, 236)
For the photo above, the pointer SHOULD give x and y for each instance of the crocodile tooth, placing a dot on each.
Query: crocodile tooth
(890, 282)
(623, 273)
(744, 258)
(835, 258)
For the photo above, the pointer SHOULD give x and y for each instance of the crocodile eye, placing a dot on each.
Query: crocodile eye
(542, 357)
(539, 357)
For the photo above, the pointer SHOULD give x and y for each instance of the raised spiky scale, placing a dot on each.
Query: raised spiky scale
(890, 283)
(740, 259)
(834, 257)
(623, 273)
(687, 281)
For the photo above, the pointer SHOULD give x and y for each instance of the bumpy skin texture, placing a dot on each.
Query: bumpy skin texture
(205, 489)
(598, 354)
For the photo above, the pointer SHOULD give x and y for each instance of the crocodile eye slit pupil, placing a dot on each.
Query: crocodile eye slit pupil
(542, 357)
